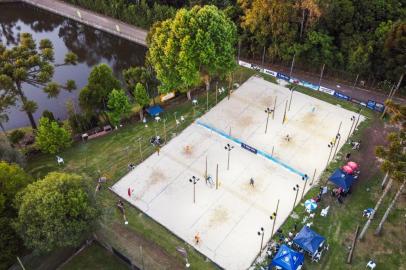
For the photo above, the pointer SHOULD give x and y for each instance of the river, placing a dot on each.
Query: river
(92, 47)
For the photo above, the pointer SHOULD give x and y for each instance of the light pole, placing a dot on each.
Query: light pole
(267, 111)
(194, 102)
(330, 145)
(228, 147)
(291, 94)
(295, 188)
(352, 125)
(304, 178)
(273, 217)
(194, 180)
(261, 233)
(338, 137)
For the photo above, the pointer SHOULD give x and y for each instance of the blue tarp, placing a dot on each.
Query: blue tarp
(154, 110)
(342, 179)
(287, 259)
(308, 240)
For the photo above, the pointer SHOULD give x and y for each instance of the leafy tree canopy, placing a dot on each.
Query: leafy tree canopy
(197, 43)
(55, 212)
(32, 64)
(10, 154)
(119, 106)
(52, 138)
(93, 97)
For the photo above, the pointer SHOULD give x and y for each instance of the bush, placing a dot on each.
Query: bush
(10, 154)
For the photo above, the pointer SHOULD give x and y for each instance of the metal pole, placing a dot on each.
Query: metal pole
(263, 56)
(262, 242)
(356, 123)
(352, 125)
(291, 66)
(267, 119)
(314, 175)
(165, 129)
(21, 264)
(272, 150)
(194, 192)
(284, 114)
(142, 258)
(329, 155)
(321, 75)
(228, 160)
(294, 204)
(274, 220)
(355, 83)
(394, 91)
(338, 131)
(217, 176)
(335, 151)
(207, 100)
(304, 187)
(290, 100)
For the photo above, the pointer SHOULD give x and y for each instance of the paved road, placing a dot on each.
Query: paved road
(357, 92)
(95, 20)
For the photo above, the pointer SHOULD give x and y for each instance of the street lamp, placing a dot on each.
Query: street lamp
(330, 145)
(305, 177)
(338, 137)
(295, 188)
(194, 180)
(291, 95)
(261, 233)
(352, 125)
(194, 102)
(273, 217)
(228, 147)
(267, 111)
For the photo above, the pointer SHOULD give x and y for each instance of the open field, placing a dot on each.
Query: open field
(230, 216)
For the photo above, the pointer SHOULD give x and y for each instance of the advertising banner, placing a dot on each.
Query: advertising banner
(341, 95)
(309, 85)
(244, 64)
(249, 148)
(270, 72)
(282, 76)
(379, 107)
(371, 104)
(326, 90)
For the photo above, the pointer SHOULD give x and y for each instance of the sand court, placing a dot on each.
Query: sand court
(228, 218)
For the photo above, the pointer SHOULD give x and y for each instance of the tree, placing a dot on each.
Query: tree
(34, 65)
(51, 138)
(12, 180)
(55, 212)
(192, 47)
(16, 136)
(271, 23)
(141, 98)
(49, 115)
(94, 96)
(135, 75)
(394, 156)
(318, 49)
(7, 99)
(10, 154)
(118, 105)
(395, 50)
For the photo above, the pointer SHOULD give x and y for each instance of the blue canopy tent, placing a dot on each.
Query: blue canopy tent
(342, 179)
(309, 240)
(287, 259)
(154, 110)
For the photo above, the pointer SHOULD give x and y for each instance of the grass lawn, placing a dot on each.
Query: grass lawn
(109, 156)
(95, 257)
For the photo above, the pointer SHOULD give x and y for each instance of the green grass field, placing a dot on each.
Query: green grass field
(109, 156)
(95, 257)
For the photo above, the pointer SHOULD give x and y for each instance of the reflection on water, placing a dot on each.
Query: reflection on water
(92, 47)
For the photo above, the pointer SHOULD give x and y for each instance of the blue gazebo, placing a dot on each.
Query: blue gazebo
(287, 259)
(309, 240)
(154, 110)
(342, 179)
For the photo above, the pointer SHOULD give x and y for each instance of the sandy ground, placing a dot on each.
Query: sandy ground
(228, 218)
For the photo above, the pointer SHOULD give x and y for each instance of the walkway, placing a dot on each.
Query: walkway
(103, 23)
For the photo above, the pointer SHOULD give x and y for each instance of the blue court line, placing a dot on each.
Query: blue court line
(259, 152)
